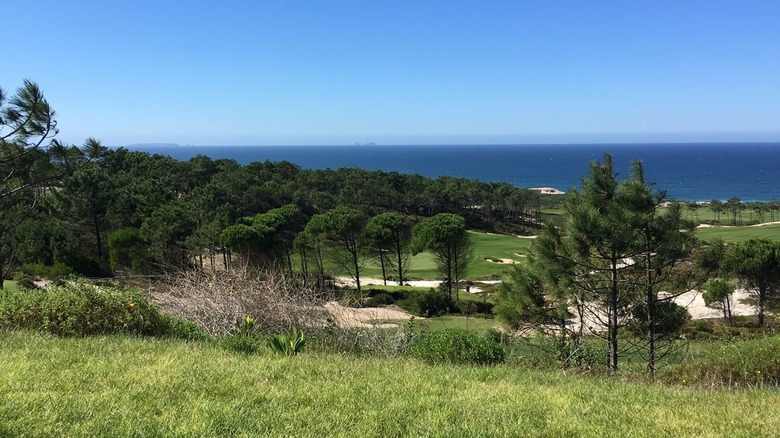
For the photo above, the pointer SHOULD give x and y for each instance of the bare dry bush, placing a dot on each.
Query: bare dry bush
(218, 301)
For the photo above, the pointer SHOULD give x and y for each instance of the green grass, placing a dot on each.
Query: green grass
(496, 246)
(486, 246)
(705, 214)
(120, 386)
(739, 234)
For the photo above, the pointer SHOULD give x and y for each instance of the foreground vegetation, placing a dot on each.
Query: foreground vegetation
(128, 386)
(253, 250)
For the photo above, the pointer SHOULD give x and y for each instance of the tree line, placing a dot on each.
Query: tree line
(82, 208)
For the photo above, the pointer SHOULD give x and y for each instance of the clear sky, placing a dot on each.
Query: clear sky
(400, 71)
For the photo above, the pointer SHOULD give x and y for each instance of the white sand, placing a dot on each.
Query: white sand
(547, 190)
(502, 262)
(365, 317)
(763, 224)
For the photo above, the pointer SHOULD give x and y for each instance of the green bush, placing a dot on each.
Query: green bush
(379, 299)
(38, 270)
(458, 347)
(476, 308)
(80, 309)
(428, 304)
(742, 363)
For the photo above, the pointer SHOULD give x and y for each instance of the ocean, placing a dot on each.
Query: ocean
(687, 171)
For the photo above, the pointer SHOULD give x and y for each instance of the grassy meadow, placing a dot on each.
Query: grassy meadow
(121, 386)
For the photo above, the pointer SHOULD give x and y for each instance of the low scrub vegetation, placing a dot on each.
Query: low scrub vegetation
(80, 309)
(219, 302)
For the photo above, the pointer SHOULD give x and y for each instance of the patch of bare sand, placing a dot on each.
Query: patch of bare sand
(366, 316)
(364, 281)
(762, 224)
(694, 302)
(502, 261)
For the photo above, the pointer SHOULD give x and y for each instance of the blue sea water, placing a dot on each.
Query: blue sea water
(693, 172)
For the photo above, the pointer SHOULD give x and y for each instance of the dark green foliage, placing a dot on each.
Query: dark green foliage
(38, 270)
(469, 307)
(389, 235)
(757, 263)
(446, 237)
(433, 302)
(379, 298)
(669, 319)
(458, 347)
(127, 250)
(522, 299)
(341, 229)
(80, 309)
(718, 296)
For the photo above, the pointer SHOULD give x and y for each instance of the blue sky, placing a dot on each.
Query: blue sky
(400, 72)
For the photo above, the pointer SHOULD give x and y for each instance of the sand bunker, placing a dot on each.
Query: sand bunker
(501, 261)
(366, 316)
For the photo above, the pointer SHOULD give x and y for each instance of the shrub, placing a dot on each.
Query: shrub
(458, 347)
(39, 270)
(379, 299)
(80, 309)
(215, 301)
(430, 303)
(476, 308)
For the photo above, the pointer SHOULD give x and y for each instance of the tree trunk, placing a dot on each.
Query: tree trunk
(96, 221)
(382, 263)
(651, 317)
(613, 319)
(355, 263)
(727, 310)
(400, 263)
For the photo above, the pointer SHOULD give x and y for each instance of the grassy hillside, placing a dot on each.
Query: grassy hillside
(127, 386)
